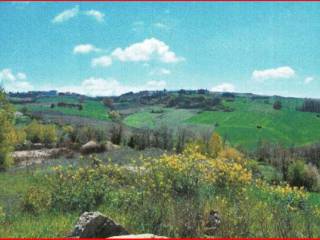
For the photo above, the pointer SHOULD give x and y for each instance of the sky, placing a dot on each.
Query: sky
(101, 48)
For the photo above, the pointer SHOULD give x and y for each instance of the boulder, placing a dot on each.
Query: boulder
(110, 146)
(213, 223)
(97, 225)
(137, 236)
(91, 147)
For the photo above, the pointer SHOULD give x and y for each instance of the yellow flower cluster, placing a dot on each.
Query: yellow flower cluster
(292, 196)
(228, 167)
(283, 190)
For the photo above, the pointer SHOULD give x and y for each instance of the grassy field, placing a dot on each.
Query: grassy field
(286, 126)
(170, 117)
(91, 108)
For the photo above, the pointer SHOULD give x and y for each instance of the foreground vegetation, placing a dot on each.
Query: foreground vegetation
(172, 195)
(269, 192)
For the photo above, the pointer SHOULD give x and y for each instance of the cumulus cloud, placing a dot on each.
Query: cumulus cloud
(14, 82)
(84, 49)
(66, 15)
(145, 51)
(110, 87)
(97, 15)
(223, 87)
(308, 80)
(104, 61)
(7, 75)
(273, 73)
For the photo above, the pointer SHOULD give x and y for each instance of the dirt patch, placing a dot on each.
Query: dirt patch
(29, 157)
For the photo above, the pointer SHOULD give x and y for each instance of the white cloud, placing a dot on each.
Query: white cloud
(273, 73)
(21, 76)
(84, 49)
(223, 87)
(14, 82)
(155, 85)
(160, 71)
(104, 61)
(145, 50)
(308, 80)
(66, 15)
(110, 87)
(161, 25)
(74, 12)
(7, 75)
(97, 15)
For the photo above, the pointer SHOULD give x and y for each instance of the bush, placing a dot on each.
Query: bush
(40, 133)
(277, 105)
(7, 132)
(85, 134)
(80, 189)
(312, 178)
(36, 200)
(114, 115)
(2, 215)
(304, 175)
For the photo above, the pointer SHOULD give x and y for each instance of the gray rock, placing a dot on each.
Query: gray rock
(213, 222)
(137, 236)
(96, 225)
(91, 147)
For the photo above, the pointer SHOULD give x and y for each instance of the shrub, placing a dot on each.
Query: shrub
(114, 115)
(80, 189)
(304, 175)
(7, 133)
(85, 134)
(296, 173)
(312, 178)
(277, 105)
(2, 215)
(37, 132)
(36, 200)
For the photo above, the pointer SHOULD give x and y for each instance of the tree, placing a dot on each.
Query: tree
(277, 105)
(7, 131)
(108, 102)
(114, 115)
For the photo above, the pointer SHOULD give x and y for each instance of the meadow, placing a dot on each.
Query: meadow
(90, 108)
(250, 121)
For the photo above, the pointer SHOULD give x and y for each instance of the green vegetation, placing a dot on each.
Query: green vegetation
(241, 127)
(272, 191)
(149, 118)
(90, 108)
(171, 195)
(7, 132)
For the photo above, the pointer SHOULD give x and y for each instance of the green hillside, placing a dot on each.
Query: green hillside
(249, 122)
(91, 108)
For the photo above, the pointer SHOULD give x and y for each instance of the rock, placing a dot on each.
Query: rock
(213, 222)
(110, 146)
(137, 236)
(96, 225)
(91, 147)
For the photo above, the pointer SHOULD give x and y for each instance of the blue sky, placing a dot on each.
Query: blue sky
(111, 48)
